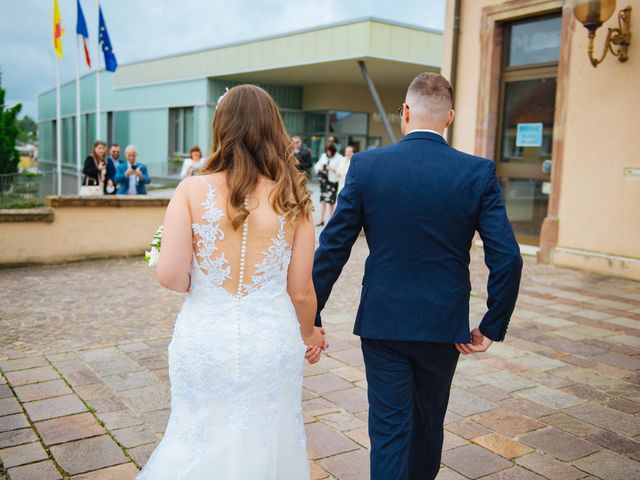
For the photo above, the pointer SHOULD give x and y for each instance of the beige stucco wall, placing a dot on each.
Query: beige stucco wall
(466, 92)
(599, 208)
(599, 222)
(356, 98)
(80, 232)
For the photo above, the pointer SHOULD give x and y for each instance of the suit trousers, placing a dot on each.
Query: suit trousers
(408, 388)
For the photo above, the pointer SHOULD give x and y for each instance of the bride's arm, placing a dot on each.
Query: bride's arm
(300, 284)
(177, 244)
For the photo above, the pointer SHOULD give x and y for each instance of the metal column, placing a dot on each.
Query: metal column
(376, 99)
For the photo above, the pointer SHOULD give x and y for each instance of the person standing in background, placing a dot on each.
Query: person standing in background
(192, 164)
(326, 168)
(343, 168)
(303, 155)
(132, 176)
(113, 162)
(95, 168)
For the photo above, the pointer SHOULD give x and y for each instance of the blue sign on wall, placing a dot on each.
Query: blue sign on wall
(529, 135)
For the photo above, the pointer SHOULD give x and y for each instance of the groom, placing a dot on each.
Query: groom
(420, 203)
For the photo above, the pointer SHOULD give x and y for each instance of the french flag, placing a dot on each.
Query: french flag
(81, 29)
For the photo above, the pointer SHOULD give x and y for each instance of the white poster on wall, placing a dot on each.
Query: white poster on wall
(529, 135)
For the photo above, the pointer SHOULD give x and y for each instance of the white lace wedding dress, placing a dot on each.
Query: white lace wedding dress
(236, 358)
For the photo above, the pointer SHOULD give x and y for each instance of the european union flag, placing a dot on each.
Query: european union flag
(103, 37)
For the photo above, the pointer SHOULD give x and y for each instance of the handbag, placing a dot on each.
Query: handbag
(90, 190)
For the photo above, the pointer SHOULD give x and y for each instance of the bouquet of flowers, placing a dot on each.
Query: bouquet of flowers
(152, 255)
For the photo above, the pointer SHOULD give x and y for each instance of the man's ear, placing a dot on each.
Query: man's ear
(406, 114)
(452, 115)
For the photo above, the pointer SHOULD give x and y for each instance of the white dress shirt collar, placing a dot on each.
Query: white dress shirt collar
(424, 130)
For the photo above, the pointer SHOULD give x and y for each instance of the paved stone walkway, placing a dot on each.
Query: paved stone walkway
(84, 387)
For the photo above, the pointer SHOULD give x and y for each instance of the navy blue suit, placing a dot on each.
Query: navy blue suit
(110, 173)
(420, 203)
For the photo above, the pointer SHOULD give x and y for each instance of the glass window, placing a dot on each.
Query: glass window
(534, 41)
(181, 130)
(526, 204)
(528, 103)
(109, 128)
(121, 129)
(315, 122)
(45, 137)
(293, 122)
(348, 123)
(68, 140)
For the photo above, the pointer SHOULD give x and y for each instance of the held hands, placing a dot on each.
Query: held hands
(479, 343)
(316, 344)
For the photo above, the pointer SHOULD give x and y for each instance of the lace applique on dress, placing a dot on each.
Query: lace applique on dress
(275, 262)
(217, 270)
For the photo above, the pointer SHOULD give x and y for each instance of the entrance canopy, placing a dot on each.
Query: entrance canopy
(394, 54)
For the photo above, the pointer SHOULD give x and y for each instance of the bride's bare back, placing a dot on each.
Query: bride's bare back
(197, 223)
(237, 260)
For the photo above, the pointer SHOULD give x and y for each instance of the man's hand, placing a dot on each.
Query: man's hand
(129, 172)
(479, 343)
(138, 173)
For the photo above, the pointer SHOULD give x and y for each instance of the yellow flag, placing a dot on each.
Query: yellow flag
(57, 30)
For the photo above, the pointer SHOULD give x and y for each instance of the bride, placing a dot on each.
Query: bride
(239, 238)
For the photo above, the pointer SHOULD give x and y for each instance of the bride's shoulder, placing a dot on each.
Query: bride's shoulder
(198, 183)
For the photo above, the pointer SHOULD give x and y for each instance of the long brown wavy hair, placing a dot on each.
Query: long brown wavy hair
(250, 141)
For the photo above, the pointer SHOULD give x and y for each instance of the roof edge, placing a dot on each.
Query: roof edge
(288, 34)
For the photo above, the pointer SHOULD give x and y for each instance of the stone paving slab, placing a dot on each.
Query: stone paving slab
(45, 470)
(560, 399)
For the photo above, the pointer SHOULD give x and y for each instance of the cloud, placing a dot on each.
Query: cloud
(141, 29)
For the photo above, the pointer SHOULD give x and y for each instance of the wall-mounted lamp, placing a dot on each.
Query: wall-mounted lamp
(592, 14)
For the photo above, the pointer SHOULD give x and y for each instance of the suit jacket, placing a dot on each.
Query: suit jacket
(111, 168)
(420, 203)
(304, 157)
(111, 172)
(123, 181)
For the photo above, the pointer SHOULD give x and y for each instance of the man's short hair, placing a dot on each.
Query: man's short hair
(114, 145)
(130, 148)
(434, 86)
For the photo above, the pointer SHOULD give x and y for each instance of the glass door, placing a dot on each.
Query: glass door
(527, 109)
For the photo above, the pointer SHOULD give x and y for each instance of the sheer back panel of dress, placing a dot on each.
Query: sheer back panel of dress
(239, 261)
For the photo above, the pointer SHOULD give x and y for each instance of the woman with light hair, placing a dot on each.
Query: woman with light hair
(132, 176)
(192, 164)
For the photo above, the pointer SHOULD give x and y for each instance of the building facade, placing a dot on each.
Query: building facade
(563, 134)
(164, 106)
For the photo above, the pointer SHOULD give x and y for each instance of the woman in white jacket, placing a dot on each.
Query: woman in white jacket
(192, 164)
(326, 168)
(343, 168)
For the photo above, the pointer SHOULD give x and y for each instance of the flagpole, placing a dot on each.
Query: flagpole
(78, 129)
(58, 129)
(98, 95)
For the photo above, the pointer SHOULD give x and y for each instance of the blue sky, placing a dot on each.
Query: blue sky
(150, 28)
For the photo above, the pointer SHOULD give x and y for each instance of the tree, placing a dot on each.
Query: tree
(28, 129)
(9, 157)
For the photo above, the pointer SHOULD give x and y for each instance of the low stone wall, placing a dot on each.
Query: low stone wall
(604, 264)
(76, 228)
